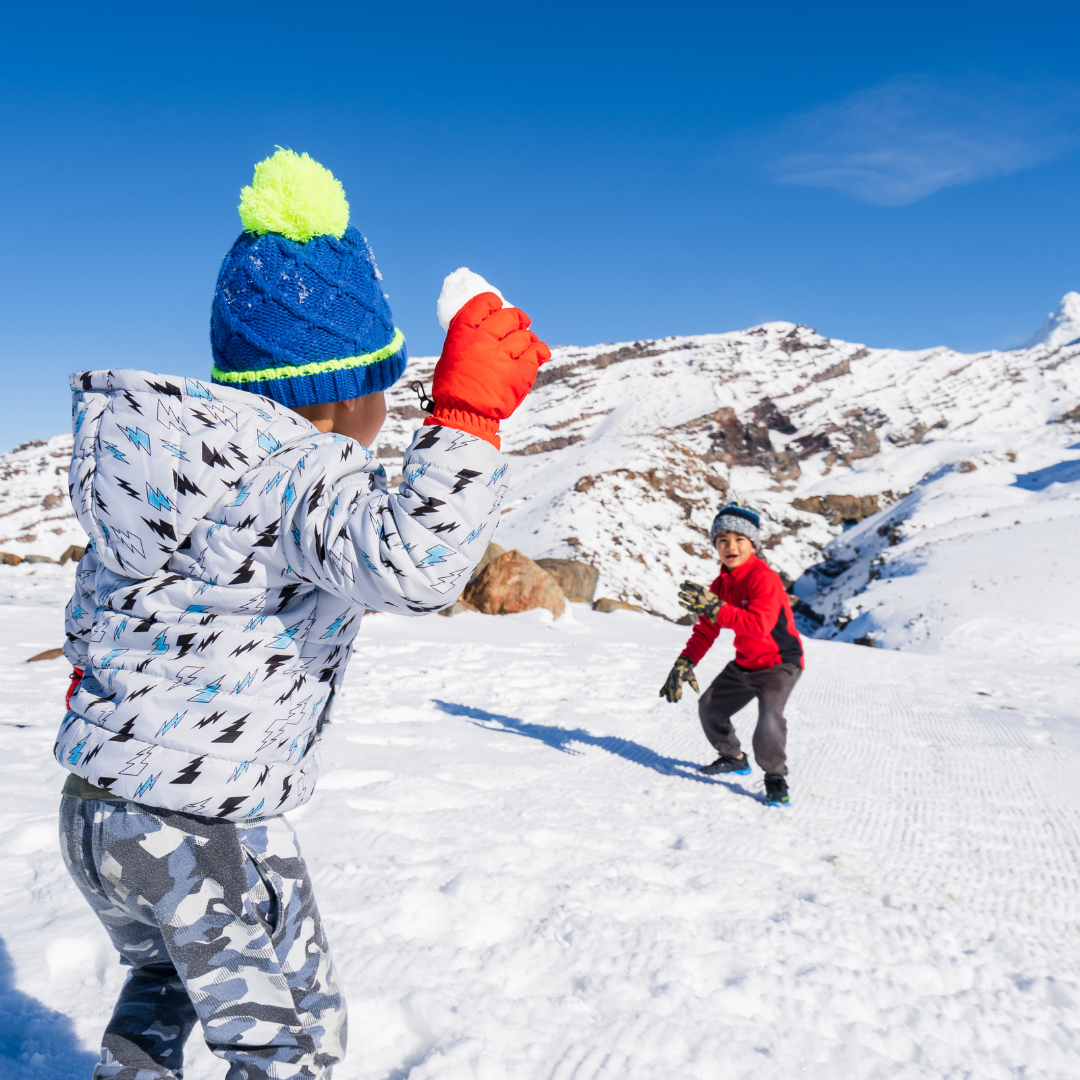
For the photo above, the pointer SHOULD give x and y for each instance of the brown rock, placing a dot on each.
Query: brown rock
(458, 607)
(512, 583)
(606, 604)
(493, 552)
(38, 558)
(834, 372)
(846, 508)
(576, 579)
(736, 443)
(560, 442)
(9, 558)
(48, 654)
(52, 500)
(74, 553)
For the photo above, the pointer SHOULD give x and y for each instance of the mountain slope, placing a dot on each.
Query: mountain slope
(623, 452)
(880, 470)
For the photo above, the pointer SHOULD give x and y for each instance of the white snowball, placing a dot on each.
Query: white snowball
(458, 289)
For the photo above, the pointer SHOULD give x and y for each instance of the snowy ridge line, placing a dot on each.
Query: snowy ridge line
(623, 452)
(872, 465)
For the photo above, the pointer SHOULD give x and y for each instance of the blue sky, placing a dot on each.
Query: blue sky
(900, 175)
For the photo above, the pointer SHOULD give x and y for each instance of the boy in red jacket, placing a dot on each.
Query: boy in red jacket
(749, 598)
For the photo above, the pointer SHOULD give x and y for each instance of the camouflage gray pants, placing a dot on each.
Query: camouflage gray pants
(218, 923)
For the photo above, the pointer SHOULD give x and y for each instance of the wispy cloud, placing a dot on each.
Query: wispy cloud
(904, 139)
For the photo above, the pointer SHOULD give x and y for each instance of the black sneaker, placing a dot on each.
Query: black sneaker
(776, 792)
(724, 764)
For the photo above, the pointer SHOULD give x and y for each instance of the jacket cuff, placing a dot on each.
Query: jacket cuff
(483, 427)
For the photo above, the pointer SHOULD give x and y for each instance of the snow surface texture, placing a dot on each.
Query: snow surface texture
(457, 290)
(522, 876)
(624, 452)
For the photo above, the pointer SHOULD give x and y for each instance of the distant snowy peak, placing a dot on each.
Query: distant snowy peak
(1062, 327)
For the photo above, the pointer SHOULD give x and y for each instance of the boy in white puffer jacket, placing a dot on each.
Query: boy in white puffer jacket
(238, 529)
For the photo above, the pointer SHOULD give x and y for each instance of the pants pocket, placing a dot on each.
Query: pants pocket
(263, 895)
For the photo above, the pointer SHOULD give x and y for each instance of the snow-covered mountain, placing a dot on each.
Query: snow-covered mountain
(35, 512)
(871, 463)
(919, 499)
(1061, 327)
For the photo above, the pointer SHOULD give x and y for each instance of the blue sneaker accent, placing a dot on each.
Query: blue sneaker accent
(776, 791)
(738, 766)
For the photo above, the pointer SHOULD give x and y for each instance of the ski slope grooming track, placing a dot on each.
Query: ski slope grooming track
(523, 876)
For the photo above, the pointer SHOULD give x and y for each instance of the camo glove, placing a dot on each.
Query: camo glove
(699, 601)
(682, 672)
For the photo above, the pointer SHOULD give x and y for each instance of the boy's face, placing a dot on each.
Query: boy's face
(360, 419)
(733, 548)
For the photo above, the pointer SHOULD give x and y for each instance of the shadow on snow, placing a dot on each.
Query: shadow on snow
(1064, 472)
(36, 1043)
(559, 738)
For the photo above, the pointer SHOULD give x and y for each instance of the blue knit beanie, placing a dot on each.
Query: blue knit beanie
(737, 517)
(299, 313)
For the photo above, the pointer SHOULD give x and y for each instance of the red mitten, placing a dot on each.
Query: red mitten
(488, 365)
(76, 678)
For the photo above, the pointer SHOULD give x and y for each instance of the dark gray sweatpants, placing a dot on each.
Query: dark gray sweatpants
(733, 689)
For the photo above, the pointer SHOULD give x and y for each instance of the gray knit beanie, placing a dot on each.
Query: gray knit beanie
(739, 518)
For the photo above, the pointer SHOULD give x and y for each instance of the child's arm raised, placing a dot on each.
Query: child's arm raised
(413, 551)
(407, 551)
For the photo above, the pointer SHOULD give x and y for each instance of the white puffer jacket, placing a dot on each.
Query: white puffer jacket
(233, 549)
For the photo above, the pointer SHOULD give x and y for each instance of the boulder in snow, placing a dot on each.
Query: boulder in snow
(607, 605)
(576, 579)
(513, 583)
(490, 555)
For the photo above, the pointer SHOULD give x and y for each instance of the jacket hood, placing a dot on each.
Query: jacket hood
(153, 453)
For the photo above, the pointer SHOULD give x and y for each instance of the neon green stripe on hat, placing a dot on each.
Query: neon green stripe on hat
(317, 367)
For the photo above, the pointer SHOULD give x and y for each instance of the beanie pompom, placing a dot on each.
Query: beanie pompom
(294, 196)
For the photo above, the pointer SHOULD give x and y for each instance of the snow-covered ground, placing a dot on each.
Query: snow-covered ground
(523, 876)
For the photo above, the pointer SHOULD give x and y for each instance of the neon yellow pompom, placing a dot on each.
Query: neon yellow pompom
(292, 194)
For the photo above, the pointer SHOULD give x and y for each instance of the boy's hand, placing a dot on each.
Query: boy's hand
(683, 671)
(700, 601)
(488, 364)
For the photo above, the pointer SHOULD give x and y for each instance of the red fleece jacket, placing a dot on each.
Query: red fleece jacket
(757, 608)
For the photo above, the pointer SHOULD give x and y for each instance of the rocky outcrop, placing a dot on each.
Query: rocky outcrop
(512, 583)
(576, 579)
(845, 509)
(738, 443)
(560, 442)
